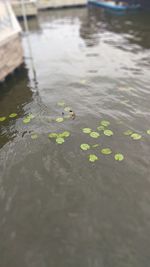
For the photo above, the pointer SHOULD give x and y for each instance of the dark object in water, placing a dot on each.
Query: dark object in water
(72, 114)
(25, 132)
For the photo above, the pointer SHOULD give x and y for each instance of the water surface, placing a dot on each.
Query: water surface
(57, 208)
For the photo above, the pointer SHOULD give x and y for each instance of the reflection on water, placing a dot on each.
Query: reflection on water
(15, 95)
(57, 208)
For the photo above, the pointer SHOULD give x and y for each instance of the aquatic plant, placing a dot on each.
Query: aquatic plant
(60, 140)
(61, 103)
(2, 119)
(119, 157)
(106, 151)
(108, 133)
(96, 145)
(13, 115)
(34, 136)
(136, 136)
(65, 134)
(60, 119)
(101, 128)
(84, 146)
(26, 120)
(86, 130)
(128, 132)
(92, 158)
(94, 134)
(105, 123)
(67, 109)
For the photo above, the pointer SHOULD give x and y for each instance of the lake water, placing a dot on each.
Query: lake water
(56, 207)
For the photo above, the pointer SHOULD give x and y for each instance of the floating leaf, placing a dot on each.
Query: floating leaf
(85, 146)
(106, 151)
(93, 157)
(101, 128)
(105, 123)
(83, 81)
(59, 119)
(60, 140)
(53, 135)
(96, 145)
(61, 103)
(26, 120)
(60, 135)
(30, 116)
(94, 134)
(67, 109)
(67, 116)
(119, 157)
(12, 115)
(128, 132)
(108, 132)
(65, 134)
(148, 131)
(34, 136)
(87, 130)
(2, 119)
(136, 136)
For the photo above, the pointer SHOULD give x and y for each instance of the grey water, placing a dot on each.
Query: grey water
(56, 207)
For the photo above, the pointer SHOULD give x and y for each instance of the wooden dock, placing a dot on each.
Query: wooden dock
(11, 52)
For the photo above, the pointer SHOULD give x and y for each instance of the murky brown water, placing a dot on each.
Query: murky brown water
(57, 208)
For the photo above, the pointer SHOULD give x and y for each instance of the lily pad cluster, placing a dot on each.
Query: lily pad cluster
(90, 132)
(104, 151)
(12, 115)
(28, 118)
(134, 136)
(103, 127)
(67, 111)
(59, 137)
(34, 136)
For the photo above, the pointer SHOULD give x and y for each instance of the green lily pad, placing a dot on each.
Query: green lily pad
(108, 132)
(83, 81)
(93, 158)
(96, 145)
(106, 151)
(128, 132)
(86, 130)
(84, 146)
(105, 123)
(61, 103)
(59, 119)
(30, 116)
(2, 119)
(13, 115)
(67, 109)
(119, 157)
(60, 140)
(26, 120)
(53, 135)
(136, 136)
(67, 116)
(94, 134)
(34, 136)
(65, 134)
(101, 128)
(148, 131)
